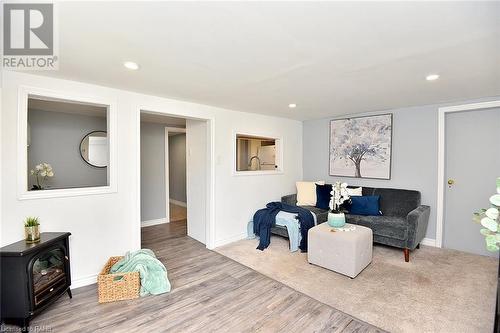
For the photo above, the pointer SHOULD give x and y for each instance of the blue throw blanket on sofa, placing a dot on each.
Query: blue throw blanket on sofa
(265, 218)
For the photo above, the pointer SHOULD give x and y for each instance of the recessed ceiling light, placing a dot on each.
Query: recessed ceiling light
(292, 106)
(131, 65)
(432, 77)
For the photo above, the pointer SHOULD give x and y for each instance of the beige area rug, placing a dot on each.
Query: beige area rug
(437, 291)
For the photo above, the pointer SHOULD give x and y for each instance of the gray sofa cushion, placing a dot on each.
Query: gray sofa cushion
(386, 226)
(321, 214)
(395, 202)
(290, 199)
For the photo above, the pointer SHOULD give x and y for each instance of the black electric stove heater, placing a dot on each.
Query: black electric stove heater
(33, 276)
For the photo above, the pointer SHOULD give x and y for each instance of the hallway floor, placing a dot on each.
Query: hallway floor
(177, 213)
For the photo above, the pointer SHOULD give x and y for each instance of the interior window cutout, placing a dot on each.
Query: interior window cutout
(255, 153)
(68, 144)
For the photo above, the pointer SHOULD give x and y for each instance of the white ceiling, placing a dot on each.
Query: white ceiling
(330, 58)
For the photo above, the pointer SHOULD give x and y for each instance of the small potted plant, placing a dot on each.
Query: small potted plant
(32, 229)
(41, 173)
(336, 217)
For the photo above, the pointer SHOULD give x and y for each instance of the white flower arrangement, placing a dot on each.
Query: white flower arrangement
(339, 196)
(41, 173)
(490, 220)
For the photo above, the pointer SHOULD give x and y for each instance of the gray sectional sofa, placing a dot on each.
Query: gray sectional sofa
(403, 222)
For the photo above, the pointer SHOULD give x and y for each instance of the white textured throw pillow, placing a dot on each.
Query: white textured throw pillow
(355, 192)
(306, 193)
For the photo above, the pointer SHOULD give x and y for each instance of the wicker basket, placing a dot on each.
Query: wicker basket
(118, 286)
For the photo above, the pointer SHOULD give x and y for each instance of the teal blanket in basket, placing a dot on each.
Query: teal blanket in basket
(153, 273)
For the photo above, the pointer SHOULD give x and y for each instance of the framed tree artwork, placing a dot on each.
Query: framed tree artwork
(360, 147)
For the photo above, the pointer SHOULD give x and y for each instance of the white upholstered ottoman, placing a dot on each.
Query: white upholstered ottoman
(345, 252)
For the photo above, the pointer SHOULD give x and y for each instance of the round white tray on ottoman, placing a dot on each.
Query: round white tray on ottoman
(345, 252)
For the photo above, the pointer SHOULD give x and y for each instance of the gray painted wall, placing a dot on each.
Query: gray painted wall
(414, 153)
(55, 139)
(177, 167)
(152, 171)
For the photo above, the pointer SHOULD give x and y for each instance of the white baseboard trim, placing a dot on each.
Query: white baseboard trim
(149, 223)
(235, 238)
(178, 203)
(84, 281)
(428, 242)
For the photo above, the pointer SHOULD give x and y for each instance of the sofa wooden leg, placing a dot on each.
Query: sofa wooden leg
(418, 246)
(407, 254)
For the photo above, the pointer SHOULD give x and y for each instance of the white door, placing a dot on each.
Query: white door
(472, 166)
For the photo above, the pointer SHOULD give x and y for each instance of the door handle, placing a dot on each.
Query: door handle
(451, 182)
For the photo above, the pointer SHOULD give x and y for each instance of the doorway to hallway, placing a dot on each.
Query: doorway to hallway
(174, 182)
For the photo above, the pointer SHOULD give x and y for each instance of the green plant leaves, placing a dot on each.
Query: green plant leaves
(485, 232)
(491, 243)
(31, 221)
(492, 213)
(489, 223)
(495, 200)
(489, 219)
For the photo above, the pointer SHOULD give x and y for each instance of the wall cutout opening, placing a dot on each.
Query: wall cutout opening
(257, 154)
(67, 144)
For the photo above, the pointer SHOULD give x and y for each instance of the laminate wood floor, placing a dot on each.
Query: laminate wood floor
(210, 293)
(177, 213)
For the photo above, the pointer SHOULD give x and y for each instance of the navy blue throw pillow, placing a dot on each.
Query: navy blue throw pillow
(323, 196)
(365, 205)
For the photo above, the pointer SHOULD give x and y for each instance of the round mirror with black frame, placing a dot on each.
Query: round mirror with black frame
(94, 149)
